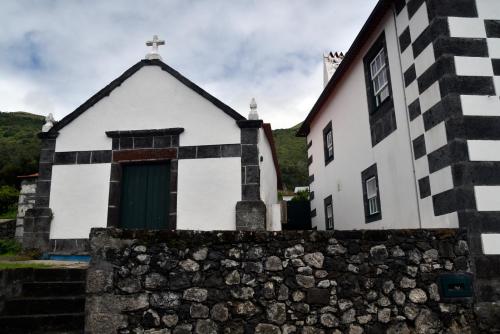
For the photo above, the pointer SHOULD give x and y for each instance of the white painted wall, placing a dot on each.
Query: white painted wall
(208, 192)
(354, 151)
(268, 178)
(78, 199)
(149, 99)
(487, 198)
(491, 243)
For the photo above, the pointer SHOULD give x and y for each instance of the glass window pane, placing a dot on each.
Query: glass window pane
(371, 187)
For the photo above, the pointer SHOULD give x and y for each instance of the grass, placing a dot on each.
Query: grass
(20, 265)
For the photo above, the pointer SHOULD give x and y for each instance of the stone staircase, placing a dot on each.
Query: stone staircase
(54, 302)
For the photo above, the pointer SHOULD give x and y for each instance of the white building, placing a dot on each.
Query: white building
(406, 134)
(152, 150)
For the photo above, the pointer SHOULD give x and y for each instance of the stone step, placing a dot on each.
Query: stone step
(53, 289)
(44, 305)
(56, 275)
(42, 323)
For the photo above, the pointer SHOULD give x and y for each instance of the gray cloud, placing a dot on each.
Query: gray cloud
(55, 54)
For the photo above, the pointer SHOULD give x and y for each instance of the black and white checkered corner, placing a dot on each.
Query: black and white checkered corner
(451, 65)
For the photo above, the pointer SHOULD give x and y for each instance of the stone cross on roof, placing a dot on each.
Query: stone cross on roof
(153, 54)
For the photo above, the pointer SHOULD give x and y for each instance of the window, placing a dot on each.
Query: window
(381, 112)
(371, 194)
(328, 213)
(328, 143)
(378, 81)
(378, 71)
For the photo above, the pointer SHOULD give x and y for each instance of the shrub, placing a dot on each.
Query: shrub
(9, 246)
(8, 198)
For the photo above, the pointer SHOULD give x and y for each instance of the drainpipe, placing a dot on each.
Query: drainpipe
(407, 119)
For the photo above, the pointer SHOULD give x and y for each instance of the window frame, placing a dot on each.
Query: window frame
(376, 49)
(368, 175)
(327, 202)
(328, 157)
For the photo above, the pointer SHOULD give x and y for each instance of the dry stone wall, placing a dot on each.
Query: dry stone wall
(275, 282)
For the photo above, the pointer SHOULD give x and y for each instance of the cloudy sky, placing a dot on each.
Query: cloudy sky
(55, 54)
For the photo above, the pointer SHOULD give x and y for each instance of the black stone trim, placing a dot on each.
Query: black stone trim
(443, 66)
(187, 152)
(437, 27)
(328, 159)
(143, 142)
(230, 150)
(405, 39)
(311, 179)
(466, 85)
(145, 133)
(249, 155)
(474, 127)
(456, 8)
(413, 6)
(476, 173)
(311, 195)
(208, 151)
(456, 199)
(249, 123)
(313, 213)
(419, 149)
(250, 168)
(114, 198)
(424, 187)
(309, 145)
(184, 152)
(492, 28)
(249, 136)
(455, 151)
(480, 222)
(410, 75)
(365, 176)
(414, 109)
(328, 201)
(448, 107)
(64, 158)
(83, 157)
(382, 118)
(100, 157)
(309, 160)
(127, 74)
(496, 66)
(399, 5)
(457, 46)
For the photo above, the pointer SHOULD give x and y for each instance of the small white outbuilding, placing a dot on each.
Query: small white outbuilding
(152, 150)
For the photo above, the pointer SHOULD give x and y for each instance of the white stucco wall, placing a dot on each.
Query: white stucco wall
(78, 199)
(268, 178)
(149, 99)
(208, 189)
(347, 108)
(208, 192)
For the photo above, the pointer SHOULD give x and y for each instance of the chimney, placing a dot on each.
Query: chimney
(331, 62)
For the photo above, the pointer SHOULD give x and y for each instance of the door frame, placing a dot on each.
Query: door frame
(141, 156)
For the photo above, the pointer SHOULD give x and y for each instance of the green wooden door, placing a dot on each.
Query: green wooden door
(145, 196)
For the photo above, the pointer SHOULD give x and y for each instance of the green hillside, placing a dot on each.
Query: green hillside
(292, 157)
(19, 145)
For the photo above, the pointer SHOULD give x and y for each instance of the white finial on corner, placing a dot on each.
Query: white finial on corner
(154, 43)
(49, 123)
(253, 115)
